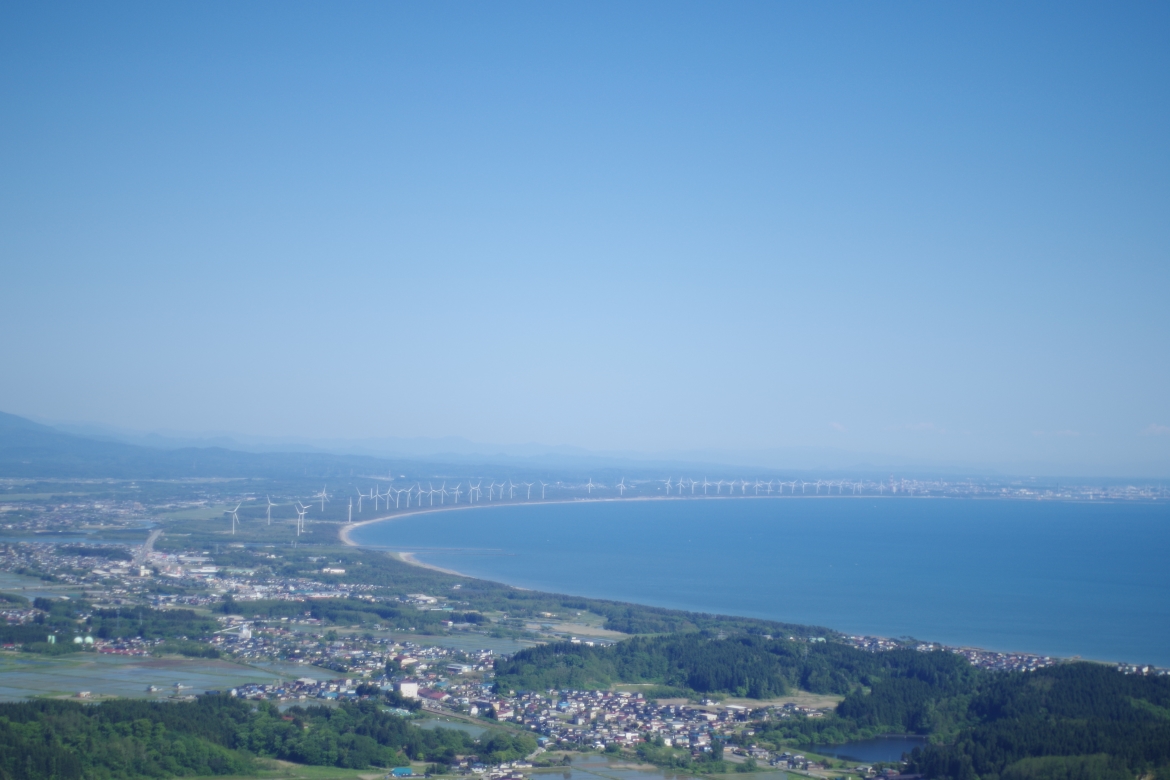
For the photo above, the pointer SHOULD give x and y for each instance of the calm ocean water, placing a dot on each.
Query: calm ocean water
(1052, 578)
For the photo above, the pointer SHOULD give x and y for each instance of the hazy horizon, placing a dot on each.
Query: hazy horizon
(457, 450)
(913, 234)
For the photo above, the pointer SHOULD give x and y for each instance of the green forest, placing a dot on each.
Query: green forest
(219, 735)
(1078, 721)
(69, 618)
(746, 665)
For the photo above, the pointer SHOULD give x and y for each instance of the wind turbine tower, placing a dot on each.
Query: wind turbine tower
(235, 517)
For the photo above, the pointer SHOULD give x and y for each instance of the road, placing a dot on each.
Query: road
(147, 546)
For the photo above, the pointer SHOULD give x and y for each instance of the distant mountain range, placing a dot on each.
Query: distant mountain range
(31, 449)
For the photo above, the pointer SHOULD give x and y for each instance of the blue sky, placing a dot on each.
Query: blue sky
(935, 232)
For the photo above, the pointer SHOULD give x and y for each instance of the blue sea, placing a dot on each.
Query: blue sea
(1053, 578)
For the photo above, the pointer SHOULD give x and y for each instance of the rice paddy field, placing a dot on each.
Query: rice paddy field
(24, 676)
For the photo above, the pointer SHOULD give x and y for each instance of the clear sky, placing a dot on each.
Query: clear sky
(936, 231)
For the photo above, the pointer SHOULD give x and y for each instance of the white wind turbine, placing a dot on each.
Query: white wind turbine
(322, 495)
(705, 484)
(511, 490)
(542, 487)
(693, 483)
(680, 485)
(743, 485)
(456, 491)
(621, 486)
(668, 485)
(529, 486)
(397, 496)
(590, 486)
(360, 497)
(443, 495)
(301, 512)
(270, 505)
(235, 517)
(350, 511)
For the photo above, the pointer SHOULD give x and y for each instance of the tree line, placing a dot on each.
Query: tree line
(220, 735)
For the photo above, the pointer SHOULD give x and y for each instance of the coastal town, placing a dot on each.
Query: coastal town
(329, 630)
(113, 576)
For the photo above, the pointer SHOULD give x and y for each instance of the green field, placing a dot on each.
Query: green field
(25, 675)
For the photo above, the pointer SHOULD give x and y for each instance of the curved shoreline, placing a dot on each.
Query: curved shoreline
(409, 556)
(346, 529)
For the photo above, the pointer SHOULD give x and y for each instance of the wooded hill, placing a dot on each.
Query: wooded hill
(744, 665)
(219, 735)
(1077, 721)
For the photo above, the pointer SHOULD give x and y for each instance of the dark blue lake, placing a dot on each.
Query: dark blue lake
(1044, 577)
(871, 751)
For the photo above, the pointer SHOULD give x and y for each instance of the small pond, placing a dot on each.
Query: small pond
(873, 750)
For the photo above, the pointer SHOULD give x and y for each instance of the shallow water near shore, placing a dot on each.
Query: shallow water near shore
(1056, 578)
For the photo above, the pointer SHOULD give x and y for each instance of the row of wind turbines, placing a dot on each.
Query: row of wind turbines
(301, 510)
(414, 495)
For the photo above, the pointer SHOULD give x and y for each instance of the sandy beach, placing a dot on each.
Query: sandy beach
(408, 557)
(343, 534)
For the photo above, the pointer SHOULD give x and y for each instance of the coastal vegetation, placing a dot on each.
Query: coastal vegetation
(373, 568)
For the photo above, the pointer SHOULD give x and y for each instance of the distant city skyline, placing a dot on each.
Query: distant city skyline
(916, 234)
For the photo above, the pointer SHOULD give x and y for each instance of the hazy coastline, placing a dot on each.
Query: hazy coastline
(960, 609)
